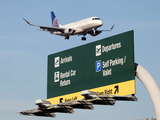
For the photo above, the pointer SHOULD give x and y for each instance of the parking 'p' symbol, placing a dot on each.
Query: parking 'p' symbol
(98, 65)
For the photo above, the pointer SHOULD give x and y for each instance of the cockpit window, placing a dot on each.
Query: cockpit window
(95, 19)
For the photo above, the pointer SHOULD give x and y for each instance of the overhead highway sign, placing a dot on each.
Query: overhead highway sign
(105, 66)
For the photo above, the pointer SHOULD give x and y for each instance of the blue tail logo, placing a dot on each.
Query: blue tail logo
(54, 20)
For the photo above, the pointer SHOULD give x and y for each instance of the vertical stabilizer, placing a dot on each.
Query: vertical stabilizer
(54, 20)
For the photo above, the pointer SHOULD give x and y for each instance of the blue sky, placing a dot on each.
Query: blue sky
(24, 50)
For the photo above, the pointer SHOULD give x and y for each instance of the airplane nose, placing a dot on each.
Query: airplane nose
(100, 23)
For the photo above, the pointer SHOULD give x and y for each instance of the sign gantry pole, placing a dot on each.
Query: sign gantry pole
(151, 86)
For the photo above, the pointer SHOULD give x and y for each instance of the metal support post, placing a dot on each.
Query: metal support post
(151, 86)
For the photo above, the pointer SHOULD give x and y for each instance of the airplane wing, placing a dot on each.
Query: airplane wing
(107, 30)
(97, 32)
(45, 28)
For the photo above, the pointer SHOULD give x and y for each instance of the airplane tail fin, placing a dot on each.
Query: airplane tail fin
(54, 20)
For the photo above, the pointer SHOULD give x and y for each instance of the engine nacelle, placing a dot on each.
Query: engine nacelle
(69, 31)
(94, 32)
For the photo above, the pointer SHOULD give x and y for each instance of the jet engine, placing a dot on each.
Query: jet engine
(94, 32)
(69, 31)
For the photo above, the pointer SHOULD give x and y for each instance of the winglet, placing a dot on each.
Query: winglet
(112, 27)
(27, 21)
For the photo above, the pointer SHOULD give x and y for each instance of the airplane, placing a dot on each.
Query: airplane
(82, 27)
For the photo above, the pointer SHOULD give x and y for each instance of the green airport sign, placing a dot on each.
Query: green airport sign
(106, 62)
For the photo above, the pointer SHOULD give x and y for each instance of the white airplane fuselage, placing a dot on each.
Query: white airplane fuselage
(80, 27)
